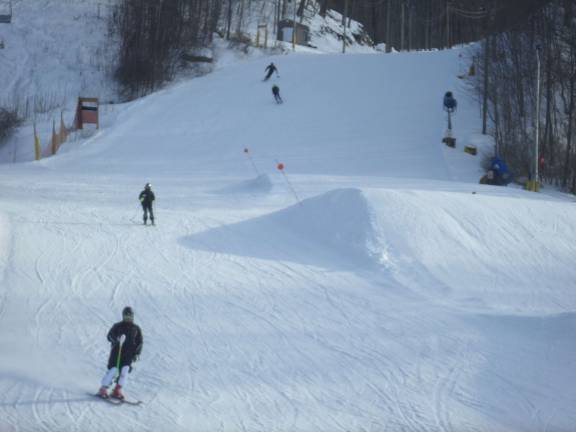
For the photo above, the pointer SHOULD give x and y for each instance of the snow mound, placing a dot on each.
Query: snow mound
(259, 185)
(335, 228)
(476, 248)
(438, 244)
(340, 220)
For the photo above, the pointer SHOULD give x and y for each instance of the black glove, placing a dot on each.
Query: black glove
(136, 357)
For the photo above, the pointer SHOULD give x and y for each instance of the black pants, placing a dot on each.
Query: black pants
(147, 207)
(277, 98)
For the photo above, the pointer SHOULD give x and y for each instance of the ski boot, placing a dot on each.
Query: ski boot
(103, 392)
(117, 392)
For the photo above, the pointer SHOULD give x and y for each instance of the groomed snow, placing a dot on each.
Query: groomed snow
(381, 289)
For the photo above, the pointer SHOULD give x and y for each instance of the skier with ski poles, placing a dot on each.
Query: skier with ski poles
(146, 198)
(126, 339)
(270, 69)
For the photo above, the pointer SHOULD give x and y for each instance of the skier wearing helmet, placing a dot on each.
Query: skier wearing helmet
(126, 339)
(146, 199)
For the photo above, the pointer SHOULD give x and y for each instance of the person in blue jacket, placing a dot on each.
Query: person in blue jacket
(502, 175)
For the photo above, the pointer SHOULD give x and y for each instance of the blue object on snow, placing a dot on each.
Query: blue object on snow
(501, 171)
(450, 103)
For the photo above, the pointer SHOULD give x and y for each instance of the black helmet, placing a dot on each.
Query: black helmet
(148, 186)
(128, 314)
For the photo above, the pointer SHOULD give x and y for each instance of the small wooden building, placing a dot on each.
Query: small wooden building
(6, 12)
(285, 31)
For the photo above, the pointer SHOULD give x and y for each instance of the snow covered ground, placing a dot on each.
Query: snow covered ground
(396, 294)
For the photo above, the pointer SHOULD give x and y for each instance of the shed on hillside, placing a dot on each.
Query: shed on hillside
(6, 12)
(285, 29)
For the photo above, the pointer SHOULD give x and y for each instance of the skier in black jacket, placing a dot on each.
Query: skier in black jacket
(126, 339)
(270, 69)
(146, 199)
(276, 93)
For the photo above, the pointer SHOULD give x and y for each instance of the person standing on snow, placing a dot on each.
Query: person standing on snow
(276, 93)
(270, 69)
(126, 339)
(146, 199)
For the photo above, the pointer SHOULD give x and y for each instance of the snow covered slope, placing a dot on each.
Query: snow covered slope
(55, 51)
(382, 289)
(371, 115)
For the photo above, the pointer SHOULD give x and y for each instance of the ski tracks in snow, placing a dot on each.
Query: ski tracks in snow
(447, 395)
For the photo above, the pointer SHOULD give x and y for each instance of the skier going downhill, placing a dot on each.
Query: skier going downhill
(276, 93)
(126, 339)
(146, 199)
(270, 69)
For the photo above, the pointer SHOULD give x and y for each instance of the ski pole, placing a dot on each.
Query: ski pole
(280, 167)
(247, 153)
(121, 342)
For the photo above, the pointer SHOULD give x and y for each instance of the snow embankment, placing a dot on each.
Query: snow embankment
(478, 248)
(474, 249)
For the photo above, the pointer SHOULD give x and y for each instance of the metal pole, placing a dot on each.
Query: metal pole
(410, 11)
(447, 23)
(402, 27)
(485, 85)
(120, 343)
(388, 32)
(275, 29)
(537, 150)
(294, 28)
(345, 25)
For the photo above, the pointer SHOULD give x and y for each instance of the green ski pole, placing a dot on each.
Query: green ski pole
(122, 339)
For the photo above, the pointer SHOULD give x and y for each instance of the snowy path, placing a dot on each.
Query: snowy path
(378, 304)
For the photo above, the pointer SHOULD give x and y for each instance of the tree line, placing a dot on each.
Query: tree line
(430, 24)
(154, 35)
(527, 87)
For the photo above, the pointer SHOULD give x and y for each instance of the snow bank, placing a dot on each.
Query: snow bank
(471, 249)
(339, 221)
(482, 249)
(335, 227)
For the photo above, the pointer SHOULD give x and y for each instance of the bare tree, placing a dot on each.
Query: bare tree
(153, 34)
